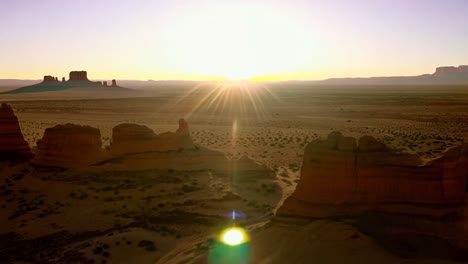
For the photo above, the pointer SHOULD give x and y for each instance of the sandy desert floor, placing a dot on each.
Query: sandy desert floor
(140, 216)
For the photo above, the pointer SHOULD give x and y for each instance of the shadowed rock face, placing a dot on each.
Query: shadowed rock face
(49, 78)
(352, 178)
(71, 145)
(78, 76)
(68, 146)
(11, 139)
(133, 138)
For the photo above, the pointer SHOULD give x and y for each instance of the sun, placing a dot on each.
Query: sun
(236, 41)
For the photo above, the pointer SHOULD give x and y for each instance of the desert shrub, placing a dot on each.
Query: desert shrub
(189, 188)
(148, 245)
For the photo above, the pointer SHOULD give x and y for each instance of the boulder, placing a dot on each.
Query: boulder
(12, 142)
(68, 146)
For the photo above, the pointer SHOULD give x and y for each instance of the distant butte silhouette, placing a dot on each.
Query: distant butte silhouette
(76, 79)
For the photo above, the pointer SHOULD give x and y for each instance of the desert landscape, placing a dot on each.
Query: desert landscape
(233, 132)
(107, 183)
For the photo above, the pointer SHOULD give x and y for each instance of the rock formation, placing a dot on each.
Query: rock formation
(133, 138)
(73, 145)
(340, 177)
(77, 79)
(12, 142)
(78, 76)
(68, 146)
(451, 70)
(104, 83)
(49, 78)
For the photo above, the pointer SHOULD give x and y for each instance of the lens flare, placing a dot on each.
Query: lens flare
(234, 236)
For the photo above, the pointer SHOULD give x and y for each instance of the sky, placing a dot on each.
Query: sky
(216, 39)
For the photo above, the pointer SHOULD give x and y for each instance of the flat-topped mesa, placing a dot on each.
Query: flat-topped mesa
(12, 143)
(68, 146)
(341, 177)
(49, 78)
(78, 76)
(451, 70)
(114, 83)
(133, 138)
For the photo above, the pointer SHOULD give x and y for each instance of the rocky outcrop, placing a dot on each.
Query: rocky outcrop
(68, 146)
(49, 78)
(78, 76)
(78, 79)
(12, 142)
(133, 138)
(451, 70)
(73, 145)
(340, 177)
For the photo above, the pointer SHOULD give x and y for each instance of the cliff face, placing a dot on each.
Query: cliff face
(68, 146)
(451, 70)
(71, 145)
(78, 76)
(133, 138)
(351, 178)
(12, 142)
(49, 78)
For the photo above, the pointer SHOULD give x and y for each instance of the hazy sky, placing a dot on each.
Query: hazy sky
(230, 39)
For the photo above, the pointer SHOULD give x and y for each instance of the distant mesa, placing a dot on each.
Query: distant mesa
(462, 69)
(341, 176)
(78, 76)
(12, 142)
(77, 79)
(447, 75)
(49, 78)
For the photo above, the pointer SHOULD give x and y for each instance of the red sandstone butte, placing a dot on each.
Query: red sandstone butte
(133, 138)
(68, 146)
(12, 142)
(340, 176)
